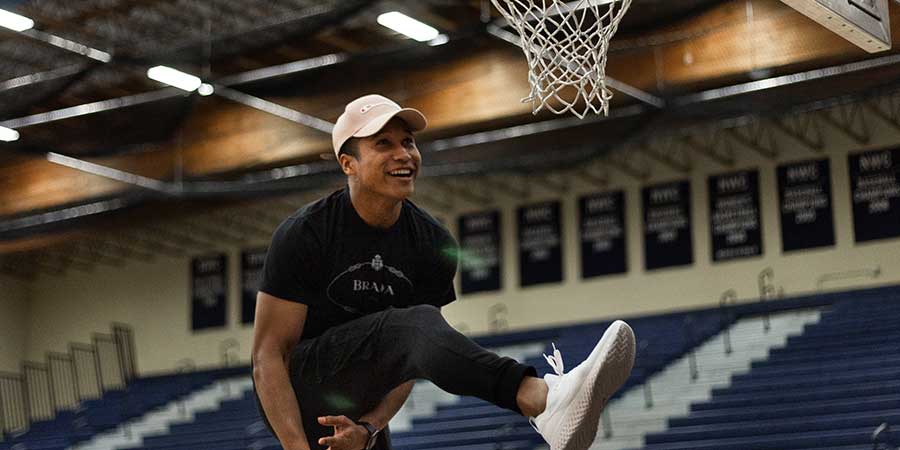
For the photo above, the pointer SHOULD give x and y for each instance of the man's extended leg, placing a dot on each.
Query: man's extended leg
(351, 367)
(419, 343)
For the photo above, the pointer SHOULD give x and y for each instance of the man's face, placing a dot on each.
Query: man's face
(388, 161)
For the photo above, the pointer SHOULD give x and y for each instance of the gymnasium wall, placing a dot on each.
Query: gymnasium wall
(14, 301)
(154, 297)
(702, 283)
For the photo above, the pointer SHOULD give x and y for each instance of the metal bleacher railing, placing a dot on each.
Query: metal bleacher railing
(726, 317)
(767, 291)
(44, 389)
(882, 438)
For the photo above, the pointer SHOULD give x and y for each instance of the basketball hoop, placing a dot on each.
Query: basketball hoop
(565, 44)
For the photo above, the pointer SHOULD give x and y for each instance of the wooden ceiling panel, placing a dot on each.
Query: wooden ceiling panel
(465, 86)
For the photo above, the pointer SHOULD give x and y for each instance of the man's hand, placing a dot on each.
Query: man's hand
(347, 434)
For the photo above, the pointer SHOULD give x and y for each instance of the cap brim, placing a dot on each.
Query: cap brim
(413, 118)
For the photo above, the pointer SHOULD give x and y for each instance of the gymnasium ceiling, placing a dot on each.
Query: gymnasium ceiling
(303, 59)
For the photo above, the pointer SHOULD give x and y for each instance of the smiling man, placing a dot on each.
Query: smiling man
(348, 311)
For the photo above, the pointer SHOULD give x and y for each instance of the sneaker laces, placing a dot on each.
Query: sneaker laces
(556, 362)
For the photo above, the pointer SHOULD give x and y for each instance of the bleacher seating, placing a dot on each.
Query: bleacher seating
(469, 423)
(113, 408)
(829, 387)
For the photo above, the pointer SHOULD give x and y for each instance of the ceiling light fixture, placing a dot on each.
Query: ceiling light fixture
(441, 39)
(14, 21)
(8, 134)
(404, 24)
(206, 89)
(176, 78)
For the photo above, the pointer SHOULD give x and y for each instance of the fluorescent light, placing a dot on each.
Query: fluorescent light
(441, 39)
(174, 78)
(14, 21)
(404, 24)
(206, 89)
(8, 134)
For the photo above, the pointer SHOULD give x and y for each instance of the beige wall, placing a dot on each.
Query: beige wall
(697, 285)
(153, 297)
(14, 296)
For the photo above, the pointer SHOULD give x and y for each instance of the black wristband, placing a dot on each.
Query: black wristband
(373, 433)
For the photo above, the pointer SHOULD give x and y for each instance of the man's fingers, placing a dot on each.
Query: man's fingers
(333, 421)
(329, 441)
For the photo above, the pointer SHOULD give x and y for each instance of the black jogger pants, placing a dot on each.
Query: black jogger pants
(348, 369)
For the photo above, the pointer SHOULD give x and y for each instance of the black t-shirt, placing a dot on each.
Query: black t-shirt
(326, 257)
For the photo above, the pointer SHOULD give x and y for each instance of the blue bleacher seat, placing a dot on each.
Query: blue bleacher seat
(828, 387)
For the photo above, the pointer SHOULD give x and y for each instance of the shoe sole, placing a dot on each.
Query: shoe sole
(615, 360)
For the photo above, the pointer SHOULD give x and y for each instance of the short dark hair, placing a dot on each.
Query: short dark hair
(350, 147)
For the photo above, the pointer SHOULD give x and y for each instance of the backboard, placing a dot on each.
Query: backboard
(865, 23)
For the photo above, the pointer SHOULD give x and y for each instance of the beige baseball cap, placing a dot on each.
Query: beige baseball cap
(367, 115)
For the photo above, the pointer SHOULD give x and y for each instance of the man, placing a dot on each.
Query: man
(348, 311)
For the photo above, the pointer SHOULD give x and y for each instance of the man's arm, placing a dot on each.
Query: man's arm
(389, 405)
(278, 326)
(350, 436)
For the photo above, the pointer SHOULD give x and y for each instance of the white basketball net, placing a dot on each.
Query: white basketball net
(565, 44)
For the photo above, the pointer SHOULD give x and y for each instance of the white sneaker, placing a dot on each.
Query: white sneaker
(576, 399)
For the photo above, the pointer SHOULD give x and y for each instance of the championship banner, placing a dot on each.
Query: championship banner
(875, 194)
(252, 262)
(209, 290)
(602, 234)
(540, 244)
(804, 200)
(481, 252)
(667, 225)
(734, 220)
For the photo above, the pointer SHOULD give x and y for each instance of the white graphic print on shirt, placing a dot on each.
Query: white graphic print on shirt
(368, 287)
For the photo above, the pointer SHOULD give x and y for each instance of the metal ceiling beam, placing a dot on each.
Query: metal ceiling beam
(69, 213)
(624, 161)
(889, 113)
(591, 178)
(549, 183)
(757, 137)
(785, 80)
(529, 129)
(40, 77)
(715, 148)
(111, 173)
(804, 128)
(254, 182)
(106, 57)
(275, 109)
(93, 108)
(67, 45)
(849, 120)
(673, 156)
(334, 59)
(222, 90)
(279, 70)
